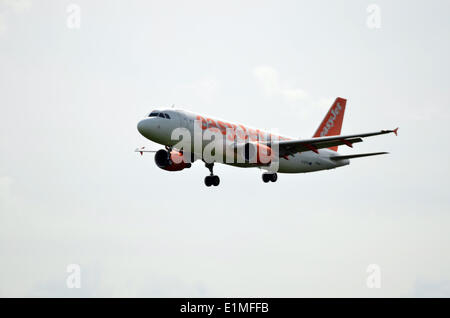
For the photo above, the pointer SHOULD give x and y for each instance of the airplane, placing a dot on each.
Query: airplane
(249, 147)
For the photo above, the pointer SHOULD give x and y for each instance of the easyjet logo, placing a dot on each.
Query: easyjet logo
(330, 123)
(232, 131)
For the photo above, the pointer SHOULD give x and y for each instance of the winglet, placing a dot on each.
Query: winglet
(140, 150)
(395, 131)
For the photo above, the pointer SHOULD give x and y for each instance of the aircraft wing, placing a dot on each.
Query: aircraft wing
(142, 150)
(290, 147)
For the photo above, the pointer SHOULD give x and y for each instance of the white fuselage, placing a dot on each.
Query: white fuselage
(159, 130)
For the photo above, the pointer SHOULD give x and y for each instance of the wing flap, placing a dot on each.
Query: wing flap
(285, 150)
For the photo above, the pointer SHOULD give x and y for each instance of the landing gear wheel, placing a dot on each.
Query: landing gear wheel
(273, 177)
(215, 180)
(208, 181)
(212, 181)
(269, 177)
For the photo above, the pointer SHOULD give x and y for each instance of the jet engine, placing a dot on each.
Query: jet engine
(171, 161)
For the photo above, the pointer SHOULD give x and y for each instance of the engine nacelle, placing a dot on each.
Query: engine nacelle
(256, 153)
(171, 161)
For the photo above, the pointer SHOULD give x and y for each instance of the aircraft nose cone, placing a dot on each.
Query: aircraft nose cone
(141, 127)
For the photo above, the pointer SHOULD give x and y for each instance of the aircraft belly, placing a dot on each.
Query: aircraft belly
(304, 162)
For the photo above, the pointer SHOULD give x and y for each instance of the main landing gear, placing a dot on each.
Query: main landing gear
(269, 177)
(211, 179)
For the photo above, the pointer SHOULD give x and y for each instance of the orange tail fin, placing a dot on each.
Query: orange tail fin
(332, 123)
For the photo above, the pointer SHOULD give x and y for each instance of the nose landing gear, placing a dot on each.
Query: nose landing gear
(211, 179)
(269, 177)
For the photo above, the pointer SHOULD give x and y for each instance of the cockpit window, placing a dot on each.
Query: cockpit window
(156, 113)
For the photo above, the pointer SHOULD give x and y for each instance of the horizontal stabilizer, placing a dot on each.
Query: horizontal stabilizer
(358, 155)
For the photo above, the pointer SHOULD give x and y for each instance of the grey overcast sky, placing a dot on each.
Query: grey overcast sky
(72, 191)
